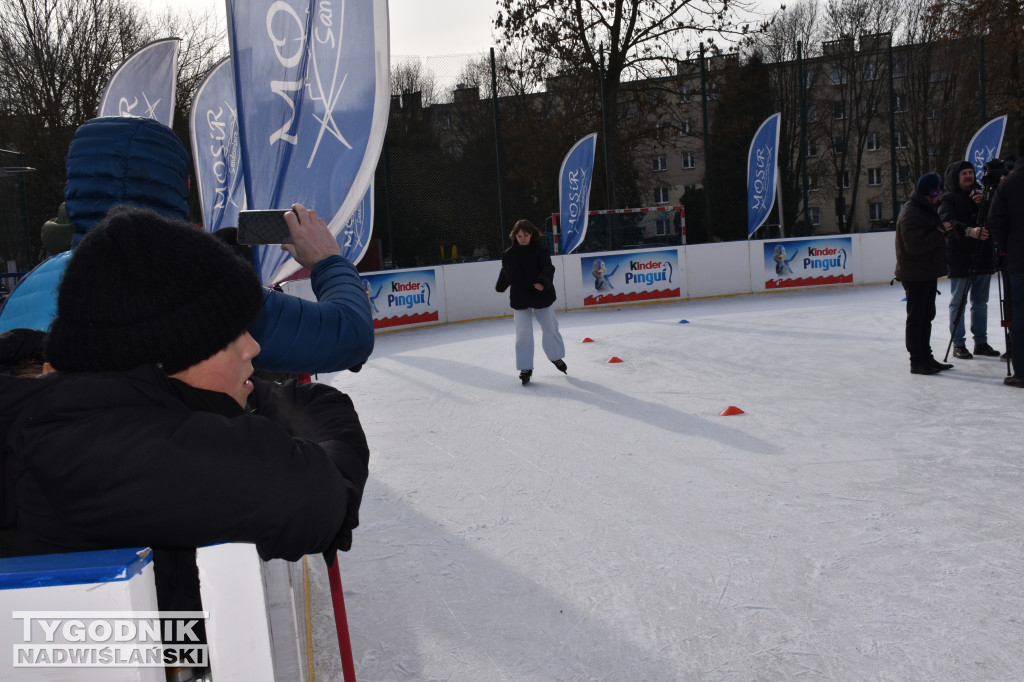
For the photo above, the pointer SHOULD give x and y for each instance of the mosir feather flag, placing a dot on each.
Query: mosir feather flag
(762, 169)
(574, 180)
(144, 84)
(354, 237)
(313, 87)
(213, 127)
(985, 144)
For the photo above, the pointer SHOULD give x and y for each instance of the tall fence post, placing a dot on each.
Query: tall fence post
(892, 139)
(606, 141)
(387, 202)
(707, 146)
(801, 86)
(500, 152)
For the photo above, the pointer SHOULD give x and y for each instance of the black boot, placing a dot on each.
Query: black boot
(524, 376)
(962, 353)
(560, 364)
(939, 365)
(986, 350)
(923, 368)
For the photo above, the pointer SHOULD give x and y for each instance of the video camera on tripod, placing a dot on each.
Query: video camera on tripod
(995, 170)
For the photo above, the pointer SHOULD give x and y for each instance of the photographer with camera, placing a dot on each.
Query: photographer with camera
(1006, 220)
(969, 260)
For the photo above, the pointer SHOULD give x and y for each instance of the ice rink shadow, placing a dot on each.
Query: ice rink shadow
(435, 570)
(591, 394)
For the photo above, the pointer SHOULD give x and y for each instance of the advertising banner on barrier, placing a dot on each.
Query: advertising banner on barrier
(403, 298)
(808, 262)
(626, 277)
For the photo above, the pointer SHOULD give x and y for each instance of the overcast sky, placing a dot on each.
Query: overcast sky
(418, 27)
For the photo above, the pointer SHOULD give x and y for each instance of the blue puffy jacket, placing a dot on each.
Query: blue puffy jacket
(333, 333)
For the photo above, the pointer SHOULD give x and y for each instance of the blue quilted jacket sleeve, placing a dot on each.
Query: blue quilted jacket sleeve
(331, 334)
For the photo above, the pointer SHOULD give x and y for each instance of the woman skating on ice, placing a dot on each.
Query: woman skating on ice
(526, 267)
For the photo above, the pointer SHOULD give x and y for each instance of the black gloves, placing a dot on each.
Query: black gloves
(343, 540)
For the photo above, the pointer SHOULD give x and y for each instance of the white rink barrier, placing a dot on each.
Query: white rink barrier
(60, 611)
(465, 291)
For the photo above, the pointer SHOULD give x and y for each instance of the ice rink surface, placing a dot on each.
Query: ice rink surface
(856, 523)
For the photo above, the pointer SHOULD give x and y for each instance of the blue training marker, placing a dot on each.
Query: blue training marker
(684, 322)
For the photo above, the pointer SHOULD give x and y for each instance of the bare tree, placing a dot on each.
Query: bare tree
(638, 39)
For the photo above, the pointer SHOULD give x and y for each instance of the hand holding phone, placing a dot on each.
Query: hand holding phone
(263, 227)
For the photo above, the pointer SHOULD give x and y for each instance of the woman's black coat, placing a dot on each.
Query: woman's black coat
(521, 268)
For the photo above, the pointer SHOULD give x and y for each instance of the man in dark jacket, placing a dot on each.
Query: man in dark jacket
(151, 432)
(969, 257)
(920, 261)
(1006, 220)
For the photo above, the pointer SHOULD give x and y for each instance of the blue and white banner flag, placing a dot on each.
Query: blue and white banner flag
(354, 237)
(313, 88)
(574, 180)
(145, 83)
(985, 145)
(762, 172)
(213, 127)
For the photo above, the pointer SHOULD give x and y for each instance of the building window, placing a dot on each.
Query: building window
(870, 71)
(838, 76)
(899, 140)
(659, 163)
(838, 111)
(937, 76)
(874, 177)
(812, 147)
(875, 211)
(815, 213)
(812, 113)
(812, 183)
(845, 180)
(933, 150)
(809, 80)
(903, 174)
(686, 92)
(686, 127)
(661, 226)
(687, 189)
(900, 104)
(838, 145)
(661, 195)
(446, 122)
(899, 68)
(631, 111)
(688, 160)
(873, 142)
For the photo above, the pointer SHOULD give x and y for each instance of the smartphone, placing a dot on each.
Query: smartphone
(263, 227)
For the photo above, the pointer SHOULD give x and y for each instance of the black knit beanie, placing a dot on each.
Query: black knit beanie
(141, 288)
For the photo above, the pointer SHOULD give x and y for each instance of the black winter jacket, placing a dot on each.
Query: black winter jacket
(521, 268)
(920, 245)
(118, 459)
(964, 255)
(1006, 219)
